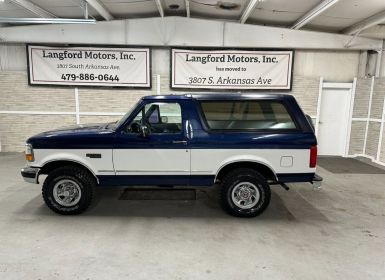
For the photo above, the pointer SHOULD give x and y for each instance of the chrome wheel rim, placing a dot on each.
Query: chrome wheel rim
(245, 195)
(67, 192)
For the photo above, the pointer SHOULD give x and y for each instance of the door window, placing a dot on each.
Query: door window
(160, 118)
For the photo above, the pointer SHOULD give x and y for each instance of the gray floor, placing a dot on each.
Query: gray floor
(337, 233)
(348, 165)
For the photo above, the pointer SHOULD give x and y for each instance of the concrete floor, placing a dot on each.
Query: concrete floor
(337, 233)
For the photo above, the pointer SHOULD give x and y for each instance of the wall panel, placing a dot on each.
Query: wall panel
(98, 119)
(357, 137)
(377, 98)
(382, 151)
(15, 129)
(111, 99)
(305, 90)
(372, 139)
(361, 99)
(17, 95)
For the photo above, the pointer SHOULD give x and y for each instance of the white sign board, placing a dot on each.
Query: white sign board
(231, 69)
(89, 66)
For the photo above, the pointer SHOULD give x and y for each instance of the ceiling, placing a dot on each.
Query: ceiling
(283, 13)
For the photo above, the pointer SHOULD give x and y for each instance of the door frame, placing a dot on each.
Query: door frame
(352, 92)
(178, 141)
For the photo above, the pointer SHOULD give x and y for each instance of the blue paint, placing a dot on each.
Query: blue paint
(87, 137)
(142, 180)
(295, 177)
(185, 180)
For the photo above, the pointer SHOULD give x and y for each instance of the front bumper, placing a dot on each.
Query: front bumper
(30, 174)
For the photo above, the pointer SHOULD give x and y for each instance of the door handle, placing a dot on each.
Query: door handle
(180, 142)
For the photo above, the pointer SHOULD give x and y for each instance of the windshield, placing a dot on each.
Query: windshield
(124, 118)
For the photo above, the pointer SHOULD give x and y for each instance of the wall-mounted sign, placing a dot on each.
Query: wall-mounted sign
(231, 69)
(89, 66)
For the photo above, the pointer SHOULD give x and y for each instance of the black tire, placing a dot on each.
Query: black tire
(84, 180)
(234, 179)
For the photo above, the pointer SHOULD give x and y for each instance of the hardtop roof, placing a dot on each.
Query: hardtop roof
(220, 96)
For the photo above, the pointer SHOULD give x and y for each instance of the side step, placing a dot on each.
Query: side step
(283, 185)
(316, 182)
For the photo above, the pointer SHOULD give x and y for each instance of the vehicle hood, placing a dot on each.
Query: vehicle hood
(75, 129)
(75, 136)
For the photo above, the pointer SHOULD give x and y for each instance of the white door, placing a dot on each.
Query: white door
(334, 119)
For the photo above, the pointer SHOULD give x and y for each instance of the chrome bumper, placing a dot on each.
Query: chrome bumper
(30, 174)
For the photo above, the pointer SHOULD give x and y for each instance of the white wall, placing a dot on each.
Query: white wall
(333, 66)
(336, 66)
(161, 61)
(13, 57)
(17, 98)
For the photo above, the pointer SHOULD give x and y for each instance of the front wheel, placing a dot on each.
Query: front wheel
(245, 193)
(68, 190)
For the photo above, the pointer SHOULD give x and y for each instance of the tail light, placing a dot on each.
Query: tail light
(313, 157)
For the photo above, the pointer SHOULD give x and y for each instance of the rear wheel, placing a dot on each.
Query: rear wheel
(68, 190)
(245, 193)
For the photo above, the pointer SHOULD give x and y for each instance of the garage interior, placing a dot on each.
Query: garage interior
(338, 78)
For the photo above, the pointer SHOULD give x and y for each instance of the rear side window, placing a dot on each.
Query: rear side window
(247, 115)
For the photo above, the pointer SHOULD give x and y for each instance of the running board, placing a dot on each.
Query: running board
(283, 185)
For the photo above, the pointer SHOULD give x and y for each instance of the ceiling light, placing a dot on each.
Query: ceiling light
(46, 20)
(228, 5)
(173, 6)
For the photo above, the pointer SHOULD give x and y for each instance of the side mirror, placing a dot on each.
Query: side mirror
(164, 119)
(144, 131)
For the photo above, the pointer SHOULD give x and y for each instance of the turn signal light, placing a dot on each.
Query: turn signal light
(29, 152)
(29, 157)
(313, 157)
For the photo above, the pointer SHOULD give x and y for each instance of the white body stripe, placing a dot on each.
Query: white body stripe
(98, 166)
(175, 161)
(210, 161)
(152, 161)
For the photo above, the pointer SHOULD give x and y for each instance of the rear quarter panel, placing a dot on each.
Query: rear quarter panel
(212, 150)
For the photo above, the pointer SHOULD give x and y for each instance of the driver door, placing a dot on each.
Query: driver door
(161, 154)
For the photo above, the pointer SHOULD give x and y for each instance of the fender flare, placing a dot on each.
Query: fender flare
(245, 161)
(71, 161)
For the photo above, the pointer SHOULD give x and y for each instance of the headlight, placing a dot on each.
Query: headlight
(29, 152)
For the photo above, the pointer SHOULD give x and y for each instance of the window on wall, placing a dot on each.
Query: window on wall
(246, 115)
(159, 117)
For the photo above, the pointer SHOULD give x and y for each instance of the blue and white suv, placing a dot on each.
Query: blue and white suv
(244, 142)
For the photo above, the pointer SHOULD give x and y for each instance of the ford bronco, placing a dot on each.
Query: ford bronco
(244, 143)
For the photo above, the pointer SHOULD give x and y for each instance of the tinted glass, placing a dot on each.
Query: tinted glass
(246, 115)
